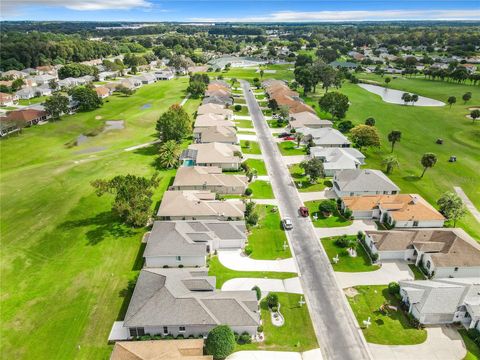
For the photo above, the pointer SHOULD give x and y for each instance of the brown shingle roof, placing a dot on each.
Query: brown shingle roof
(25, 115)
(191, 349)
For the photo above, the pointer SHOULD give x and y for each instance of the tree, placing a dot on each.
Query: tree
(387, 80)
(327, 55)
(258, 292)
(335, 103)
(298, 138)
(414, 98)
(364, 135)
(132, 196)
(451, 100)
(284, 112)
(261, 73)
(272, 300)
(302, 60)
(393, 288)
(428, 160)
(168, 154)
(345, 126)
(87, 98)
(76, 70)
(233, 81)
(466, 97)
(174, 124)
(196, 88)
(452, 207)
(124, 90)
(56, 105)
(53, 84)
(327, 206)
(304, 76)
(390, 162)
(18, 83)
(393, 137)
(370, 121)
(220, 342)
(475, 114)
(313, 168)
(406, 97)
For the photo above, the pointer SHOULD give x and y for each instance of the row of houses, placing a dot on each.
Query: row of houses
(279, 93)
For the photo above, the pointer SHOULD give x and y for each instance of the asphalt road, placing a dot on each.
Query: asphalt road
(335, 326)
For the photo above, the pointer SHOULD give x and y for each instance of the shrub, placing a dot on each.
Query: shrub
(345, 126)
(342, 241)
(347, 214)
(393, 288)
(165, 266)
(258, 292)
(327, 206)
(245, 338)
(274, 309)
(272, 300)
(370, 121)
(248, 250)
(374, 256)
(180, 266)
(180, 336)
(252, 219)
(248, 191)
(238, 107)
(220, 342)
(260, 329)
(360, 235)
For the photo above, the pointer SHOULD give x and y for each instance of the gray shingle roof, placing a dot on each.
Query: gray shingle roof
(364, 180)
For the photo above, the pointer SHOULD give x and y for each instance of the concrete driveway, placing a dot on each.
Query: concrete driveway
(252, 156)
(276, 355)
(358, 225)
(294, 159)
(443, 343)
(236, 260)
(266, 285)
(242, 117)
(249, 137)
(393, 270)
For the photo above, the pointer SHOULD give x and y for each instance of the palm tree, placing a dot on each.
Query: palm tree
(390, 162)
(451, 100)
(394, 136)
(414, 98)
(168, 154)
(406, 97)
(428, 161)
(475, 114)
(298, 138)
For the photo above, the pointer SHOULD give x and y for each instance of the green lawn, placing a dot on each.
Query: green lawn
(260, 97)
(251, 132)
(246, 124)
(360, 263)
(290, 148)
(275, 125)
(66, 259)
(261, 190)
(240, 101)
(35, 100)
(257, 164)
(224, 274)
(268, 237)
(391, 329)
(242, 112)
(254, 147)
(473, 351)
(417, 273)
(334, 220)
(296, 334)
(303, 183)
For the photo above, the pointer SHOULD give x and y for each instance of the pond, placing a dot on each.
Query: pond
(395, 96)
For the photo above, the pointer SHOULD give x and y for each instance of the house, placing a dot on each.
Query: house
(164, 75)
(336, 159)
(6, 83)
(43, 90)
(442, 253)
(187, 243)
(225, 156)
(14, 74)
(30, 71)
(26, 117)
(222, 83)
(46, 70)
(44, 79)
(471, 68)
(443, 301)
(102, 91)
(219, 100)
(8, 126)
(147, 78)
(218, 92)
(198, 205)
(324, 137)
(215, 109)
(219, 134)
(363, 182)
(208, 178)
(105, 75)
(187, 349)
(399, 210)
(307, 119)
(186, 302)
(26, 93)
(208, 120)
(6, 99)
(68, 83)
(131, 83)
(343, 64)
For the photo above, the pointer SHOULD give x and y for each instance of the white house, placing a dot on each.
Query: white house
(164, 75)
(363, 182)
(324, 137)
(336, 159)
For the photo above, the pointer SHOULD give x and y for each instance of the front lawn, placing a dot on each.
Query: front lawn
(35, 100)
(290, 148)
(392, 328)
(245, 124)
(473, 351)
(240, 101)
(257, 164)
(243, 111)
(346, 263)
(268, 237)
(254, 147)
(274, 124)
(334, 220)
(260, 96)
(303, 183)
(296, 334)
(261, 190)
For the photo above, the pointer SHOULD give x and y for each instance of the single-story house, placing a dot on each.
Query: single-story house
(102, 91)
(219, 100)
(186, 302)
(343, 64)
(30, 71)
(218, 92)
(363, 182)
(307, 119)
(325, 137)
(198, 205)
(443, 301)
(15, 74)
(187, 349)
(43, 90)
(207, 120)
(164, 75)
(442, 253)
(8, 126)
(215, 109)
(147, 78)
(222, 83)
(208, 178)
(225, 156)
(44, 79)
(6, 99)
(26, 93)
(105, 75)
(219, 134)
(336, 159)
(131, 83)
(26, 117)
(187, 243)
(399, 210)
(6, 83)
(67, 83)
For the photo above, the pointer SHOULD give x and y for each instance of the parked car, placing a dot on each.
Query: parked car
(283, 135)
(289, 138)
(287, 223)
(303, 210)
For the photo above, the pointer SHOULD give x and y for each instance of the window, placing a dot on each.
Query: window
(165, 330)
(137, 332)
(181, 329)
(178, 258)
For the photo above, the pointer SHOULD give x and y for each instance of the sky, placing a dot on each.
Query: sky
(239, 10)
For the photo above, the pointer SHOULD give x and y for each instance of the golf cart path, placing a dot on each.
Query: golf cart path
(468, 202)
(235, 260)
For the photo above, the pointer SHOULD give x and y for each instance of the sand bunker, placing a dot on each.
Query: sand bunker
(395, 96)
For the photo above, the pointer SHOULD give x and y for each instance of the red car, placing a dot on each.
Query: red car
(303, 210)
(288, 138)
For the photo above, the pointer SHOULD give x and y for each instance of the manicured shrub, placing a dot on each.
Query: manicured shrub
(248, 191)
(238, 107)
(220, 342)
(342, 241)
(374, 256)
(370, 121)
(252, 219)
(347, 214)
(327, 206)
(260, 329)
(394, 288)
(275, 309)
(272, 300)
(248, 250)
(245, 338)
(258, 292)
(180, 266)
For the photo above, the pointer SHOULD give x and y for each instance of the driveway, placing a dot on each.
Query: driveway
(294, 159)
(250, 137)
(277, 130)
(276, 355)
(252, 156)
(266, 285)
(235, 260)
(443, 343)
(242, 117)
(315, 195)
(358, 225)
(393, 270)
(335, 325)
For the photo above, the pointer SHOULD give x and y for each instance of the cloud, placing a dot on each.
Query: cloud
(331, 16)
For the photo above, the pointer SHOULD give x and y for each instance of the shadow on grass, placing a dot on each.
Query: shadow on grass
(412, 178)
(147, 151)
(126, 293)
(139, 260)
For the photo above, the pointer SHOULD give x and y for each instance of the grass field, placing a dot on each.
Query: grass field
(290, 148)
(473, 351)
(334, 220)
(66, 261)
(268, 237)
(254, 147)
(360, 263)
(261, 190)
(386, 329)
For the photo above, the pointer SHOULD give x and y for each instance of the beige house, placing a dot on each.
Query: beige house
(307, 119)
(208, 120)
(220, 134)
(225, 156)
(209, 178)
(198, 205)
(215, 109)
(188, 349)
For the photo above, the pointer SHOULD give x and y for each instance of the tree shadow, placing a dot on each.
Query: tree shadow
(139, 260)
(147, 151)
(412, 178)
(126, 293)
